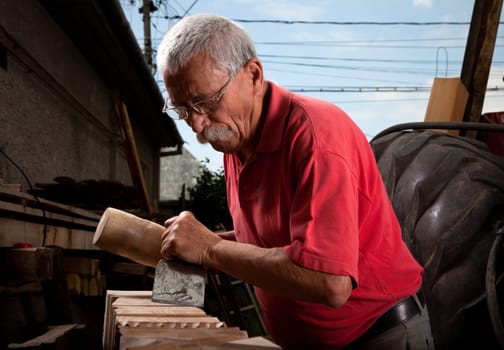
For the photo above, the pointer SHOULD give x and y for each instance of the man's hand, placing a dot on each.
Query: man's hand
(187, 238)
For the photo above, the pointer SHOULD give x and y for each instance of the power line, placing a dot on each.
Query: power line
(363, 89)
(370, 60)
(372, 23)
(177, 3)
(355, 44)
(367, 23)
(387, 100)
(364, 43)
(371, 42)
(394, 70)
(373, 89)
(189, 8)
(325, 75)
(351, 59)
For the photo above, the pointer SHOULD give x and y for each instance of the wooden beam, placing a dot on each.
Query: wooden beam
(478, 54)
(133, 158)
(24, 213)
(27, 200)
(52, 339)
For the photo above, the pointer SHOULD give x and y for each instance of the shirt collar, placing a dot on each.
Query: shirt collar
(276, 107)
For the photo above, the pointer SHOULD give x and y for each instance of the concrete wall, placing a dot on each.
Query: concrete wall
(176, 171)
(56, 114)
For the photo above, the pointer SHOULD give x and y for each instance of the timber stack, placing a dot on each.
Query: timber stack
(133, 322)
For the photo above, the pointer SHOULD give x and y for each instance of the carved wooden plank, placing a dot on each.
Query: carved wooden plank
(109, 327)
(255, 343)
(169, 321)
(210, 344)
(135, 301)
(185, 311)
(160, 344)
(132, 321)
(147, 338)
(187, 334)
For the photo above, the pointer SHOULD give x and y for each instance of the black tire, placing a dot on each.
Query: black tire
(448, 194)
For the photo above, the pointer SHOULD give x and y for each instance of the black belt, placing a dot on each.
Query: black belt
(400, 312)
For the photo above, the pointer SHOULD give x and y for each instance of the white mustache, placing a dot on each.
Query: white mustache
(214, 134)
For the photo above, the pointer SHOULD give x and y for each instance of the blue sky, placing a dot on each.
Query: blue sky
(345, 56)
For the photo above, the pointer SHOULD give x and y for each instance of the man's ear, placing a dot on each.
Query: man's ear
(255, 69)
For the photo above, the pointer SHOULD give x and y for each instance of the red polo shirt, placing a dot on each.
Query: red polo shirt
(313, 188)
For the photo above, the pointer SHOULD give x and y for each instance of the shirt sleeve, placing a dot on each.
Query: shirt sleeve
(324, 218)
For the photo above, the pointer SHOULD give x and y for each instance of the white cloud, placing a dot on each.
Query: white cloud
(422, 3)
(287, 10)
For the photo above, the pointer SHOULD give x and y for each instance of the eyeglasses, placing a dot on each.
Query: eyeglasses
(205, 106)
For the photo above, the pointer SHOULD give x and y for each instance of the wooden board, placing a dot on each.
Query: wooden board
(26, 213)
(156, 338)
(131, 301)
(159, 310)
(109, 327)
(176, 321)
(23, 218)
(134, 163)
(133, 322)
(186, 334)
(28, 200)
(13, 231)
(255, 343)
(50, 337)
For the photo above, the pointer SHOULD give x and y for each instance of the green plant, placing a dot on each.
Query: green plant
(208, 200)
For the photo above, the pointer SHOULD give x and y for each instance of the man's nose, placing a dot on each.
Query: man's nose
(198, 122)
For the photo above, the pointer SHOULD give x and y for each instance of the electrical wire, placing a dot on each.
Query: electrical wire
(373, 41)
(386, 100)
(363, 89)
(355, 45)
(32, 189)
(394, 70)
(189, 8)
(334, 76)
(369, 60)
(285, 60)
(353, 59)
(366, 23)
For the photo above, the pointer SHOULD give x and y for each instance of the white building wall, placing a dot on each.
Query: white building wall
(177, 170)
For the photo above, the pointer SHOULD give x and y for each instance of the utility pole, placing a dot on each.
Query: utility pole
(146, 9)
(478, 54)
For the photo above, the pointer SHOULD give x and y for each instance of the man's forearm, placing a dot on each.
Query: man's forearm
(227, 235)
(272, 270)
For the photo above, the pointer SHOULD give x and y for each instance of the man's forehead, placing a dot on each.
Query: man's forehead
(194, 84)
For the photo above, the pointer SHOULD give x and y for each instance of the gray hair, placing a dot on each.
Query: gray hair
(225, 42)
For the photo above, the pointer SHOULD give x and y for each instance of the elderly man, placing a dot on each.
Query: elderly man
(314, 230)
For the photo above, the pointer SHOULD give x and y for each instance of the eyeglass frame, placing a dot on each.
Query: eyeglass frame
(214, 99)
